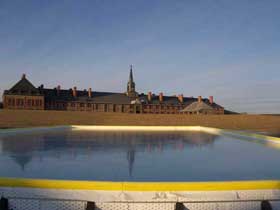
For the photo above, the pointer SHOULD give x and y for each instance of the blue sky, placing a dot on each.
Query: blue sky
(229, 49)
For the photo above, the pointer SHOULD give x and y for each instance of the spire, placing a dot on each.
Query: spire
(131, 75)
(131, 84)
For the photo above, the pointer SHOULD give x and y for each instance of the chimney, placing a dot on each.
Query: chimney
(149, 96)
(58, 90)
(211, 99)
(41, 87)
(89, 93)
(161, 97)
(199, 99)
(181, 98)
(23, 76)
(75, 91)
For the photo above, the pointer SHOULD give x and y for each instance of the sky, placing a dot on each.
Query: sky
(228, 49)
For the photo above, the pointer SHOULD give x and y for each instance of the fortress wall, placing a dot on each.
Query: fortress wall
(29, 118)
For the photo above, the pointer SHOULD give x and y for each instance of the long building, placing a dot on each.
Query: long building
(24, 95)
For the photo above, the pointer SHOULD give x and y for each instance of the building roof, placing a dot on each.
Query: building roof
(23, 87)
(117, 98)
(108, 97)
(171, 100)
(82, 96)
(197, 106)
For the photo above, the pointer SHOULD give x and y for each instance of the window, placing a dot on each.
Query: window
(19, 102)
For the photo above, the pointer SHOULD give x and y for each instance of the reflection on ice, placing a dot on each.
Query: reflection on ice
(27, 147)
(135, 156)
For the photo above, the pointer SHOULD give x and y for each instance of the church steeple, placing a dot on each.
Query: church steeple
(131, 75)
(131, 85)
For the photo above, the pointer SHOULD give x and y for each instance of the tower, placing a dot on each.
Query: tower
(131, 85)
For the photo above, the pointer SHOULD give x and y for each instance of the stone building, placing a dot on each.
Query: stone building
(24, 95)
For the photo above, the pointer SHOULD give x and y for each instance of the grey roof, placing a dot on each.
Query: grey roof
(97, 97)
(23, 87)
(112, 97)
(197, 106)
(171, 100)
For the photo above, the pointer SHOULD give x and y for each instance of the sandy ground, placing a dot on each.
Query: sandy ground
(266, 124)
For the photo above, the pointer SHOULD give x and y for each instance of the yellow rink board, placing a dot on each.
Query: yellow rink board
(141, 186)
